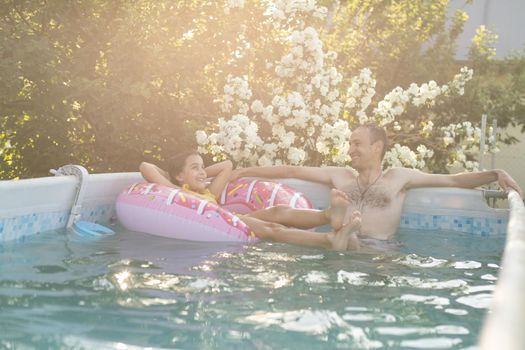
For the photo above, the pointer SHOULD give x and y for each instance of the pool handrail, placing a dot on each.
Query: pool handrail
(82, 176)
(505, 322)
(493, 194)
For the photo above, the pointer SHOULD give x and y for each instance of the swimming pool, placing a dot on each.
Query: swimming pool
(132, 290)
(30, 206)
(128, 290)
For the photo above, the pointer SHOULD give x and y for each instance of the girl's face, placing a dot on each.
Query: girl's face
(193, 173)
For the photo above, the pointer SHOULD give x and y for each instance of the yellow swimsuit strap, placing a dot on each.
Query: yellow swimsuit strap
(206, 194)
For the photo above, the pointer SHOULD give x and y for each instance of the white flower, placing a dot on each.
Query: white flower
(231, 4)
(278, 101)
(402, 156)
(228, 90)
(265, 161)
(257, 106)
(460, 80)
(201, 137)
(428, 126)
(397, 127)
(424, 152)
(332, 95)
(278, 131)
(236, 91)
(363, 118)
(284, 111)
(287, 140)
(322, 147)
(297, 51)
(296, 156)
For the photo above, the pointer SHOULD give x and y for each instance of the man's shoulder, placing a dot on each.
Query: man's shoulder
(401, 173)
(341, 176)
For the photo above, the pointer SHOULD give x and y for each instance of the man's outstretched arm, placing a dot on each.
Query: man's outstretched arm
(316, 174)
(416, 178)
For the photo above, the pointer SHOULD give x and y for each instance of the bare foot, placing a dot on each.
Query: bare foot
(346, 237)
(336, 212)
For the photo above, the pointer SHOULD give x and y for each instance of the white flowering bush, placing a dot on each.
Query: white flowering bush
(463, 153)
(307, 109)
(231, 4)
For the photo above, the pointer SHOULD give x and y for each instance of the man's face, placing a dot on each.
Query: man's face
(361, 149)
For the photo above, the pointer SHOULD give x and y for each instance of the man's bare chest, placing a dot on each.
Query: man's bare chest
(376, 196)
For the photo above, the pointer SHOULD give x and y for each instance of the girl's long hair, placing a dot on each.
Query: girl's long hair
(176, 164)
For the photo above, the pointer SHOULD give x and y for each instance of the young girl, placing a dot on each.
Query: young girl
(279, 223)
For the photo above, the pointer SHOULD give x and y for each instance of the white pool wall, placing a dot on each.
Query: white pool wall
(504, 323)
(36, 205)
(31, 206)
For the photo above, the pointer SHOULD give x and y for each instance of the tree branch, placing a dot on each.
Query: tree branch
(22, 17)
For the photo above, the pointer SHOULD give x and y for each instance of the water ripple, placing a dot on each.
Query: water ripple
(467, 265)
(420, 261)
(314, 322)
(315, 277)
(431, 343)
(360, 279)
(457, 312)
(430, 299)
(441, 329)
(477, 301)
(312, 257)
(489, 277)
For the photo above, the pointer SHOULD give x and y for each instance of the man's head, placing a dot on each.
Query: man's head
(368, 145)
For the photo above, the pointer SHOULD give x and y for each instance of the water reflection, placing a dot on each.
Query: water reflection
(142, 291)
(364, 279)
(431, 343)
(314, 322)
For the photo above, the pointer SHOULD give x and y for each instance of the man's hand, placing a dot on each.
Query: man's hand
(506, 182)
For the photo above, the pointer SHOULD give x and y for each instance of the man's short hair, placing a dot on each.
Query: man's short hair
(377, 133)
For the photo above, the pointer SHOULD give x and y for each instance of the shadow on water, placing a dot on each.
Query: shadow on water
(171, 255)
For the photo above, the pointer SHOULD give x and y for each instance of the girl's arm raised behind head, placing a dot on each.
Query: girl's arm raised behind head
(152, 173)
(215, 169)
(221, 173)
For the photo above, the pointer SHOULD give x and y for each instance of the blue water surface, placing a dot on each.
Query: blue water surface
(132, 290)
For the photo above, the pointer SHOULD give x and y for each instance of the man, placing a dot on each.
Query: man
(378, 196)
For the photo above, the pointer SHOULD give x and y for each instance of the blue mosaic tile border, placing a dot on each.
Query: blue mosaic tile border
(100, 214)
(481, 226)
(20, 227)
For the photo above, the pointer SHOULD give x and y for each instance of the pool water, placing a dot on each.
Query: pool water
(132, 290)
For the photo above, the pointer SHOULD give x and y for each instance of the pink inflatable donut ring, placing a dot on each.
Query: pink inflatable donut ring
(174, 213)
(246, 195)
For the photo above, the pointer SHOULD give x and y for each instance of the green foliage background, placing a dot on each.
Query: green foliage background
(108, 83)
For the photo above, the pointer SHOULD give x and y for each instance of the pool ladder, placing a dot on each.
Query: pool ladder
(82, 175)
